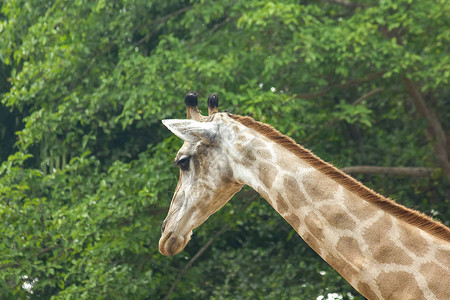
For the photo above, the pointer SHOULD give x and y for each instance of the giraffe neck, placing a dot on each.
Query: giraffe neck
(378, 254)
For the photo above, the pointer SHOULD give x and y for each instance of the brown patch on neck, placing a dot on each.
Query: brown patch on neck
(266, 173)
(337, 217)
(366, 290)
(401, 212)
(437, 279)
(389, 253)
(399, 285)
(349, 248)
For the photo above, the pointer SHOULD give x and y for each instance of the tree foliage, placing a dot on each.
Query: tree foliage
(85, 174)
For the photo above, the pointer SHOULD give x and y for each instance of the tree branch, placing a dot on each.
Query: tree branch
(309, 96)
(367, 95)
(9, 265)
(221, 24)
(48, 249)
(436, 134)
(394, 171)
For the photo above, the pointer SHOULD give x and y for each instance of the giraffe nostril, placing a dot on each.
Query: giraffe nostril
(163, 226)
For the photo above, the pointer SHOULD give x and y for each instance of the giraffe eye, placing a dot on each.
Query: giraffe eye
(183, 163)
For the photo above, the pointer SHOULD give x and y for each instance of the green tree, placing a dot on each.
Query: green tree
(86, 179)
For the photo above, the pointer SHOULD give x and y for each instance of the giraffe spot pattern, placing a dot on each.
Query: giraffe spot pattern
(314, 225)
(382, 247)
(411, 239)
(201, 161)
(265, 154)
(239, 147)
(242, 138)
(293, 192)
(356, 206)
(202, 207)
(389, 253)
(312, 242)
(443, 256)
(366, 290)
(248, 160)
(321, 187)
(250, 156)
(294, 221)
(267, 174)
(399, 285)
(282, 206)
(324, 189)
(258, 144)
(377, 232)
(287, 163)
(349, 248)
(227, 175)
(438, 279)
(337, 217)
(341, 266)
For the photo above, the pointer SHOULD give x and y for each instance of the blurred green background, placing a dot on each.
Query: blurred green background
(85, 163)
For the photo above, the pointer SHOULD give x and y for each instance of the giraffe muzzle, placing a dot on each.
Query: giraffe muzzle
(171, 244)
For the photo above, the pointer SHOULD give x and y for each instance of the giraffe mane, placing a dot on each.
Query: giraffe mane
(408, 215)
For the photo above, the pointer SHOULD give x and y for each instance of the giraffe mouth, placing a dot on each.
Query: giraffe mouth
(171, 244)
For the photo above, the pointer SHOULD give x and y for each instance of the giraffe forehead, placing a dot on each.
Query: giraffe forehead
(199, 149)
(186, 150)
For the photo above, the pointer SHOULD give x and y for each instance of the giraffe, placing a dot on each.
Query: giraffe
(383, 249)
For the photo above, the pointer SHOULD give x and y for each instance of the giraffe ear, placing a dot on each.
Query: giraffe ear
(193, 131)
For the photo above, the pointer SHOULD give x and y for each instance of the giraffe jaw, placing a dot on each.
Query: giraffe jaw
(171, 244)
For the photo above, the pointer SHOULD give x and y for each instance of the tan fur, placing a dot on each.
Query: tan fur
(408, 215)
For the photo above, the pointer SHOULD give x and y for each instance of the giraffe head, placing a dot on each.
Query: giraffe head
(207, 180)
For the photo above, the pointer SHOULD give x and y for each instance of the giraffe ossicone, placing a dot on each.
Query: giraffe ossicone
(384, 250)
